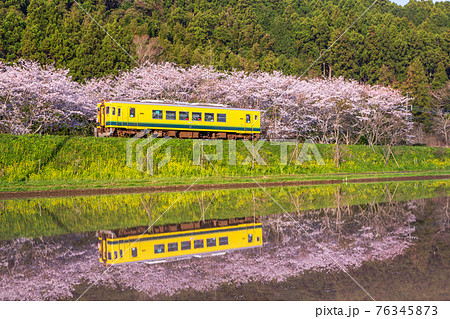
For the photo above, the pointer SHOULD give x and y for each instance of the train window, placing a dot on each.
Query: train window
(109, 255)
(223, 241)
(183, 116)
(134, 252)
(107, 110)
(132, 112)
(115, 255)
(171, 115)
(257, 238)
(247, 118)
(113, 111)
(209, 117)
(157, 114)
(250, 238)
(221, 117)
(159, 249)
(196, 116)
(98, 109)
(121, 253)
(198, 243)
(210, 242)
(256, 117)
(185, 245)
(172, 247)
(118, 112)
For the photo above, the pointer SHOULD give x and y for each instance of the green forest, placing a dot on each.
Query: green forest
(405, 47)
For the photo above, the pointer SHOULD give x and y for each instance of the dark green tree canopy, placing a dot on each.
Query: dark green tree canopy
(285, 35)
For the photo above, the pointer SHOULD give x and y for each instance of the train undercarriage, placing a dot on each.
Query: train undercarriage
(116, 132)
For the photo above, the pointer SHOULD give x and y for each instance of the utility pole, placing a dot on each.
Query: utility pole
(407, 100)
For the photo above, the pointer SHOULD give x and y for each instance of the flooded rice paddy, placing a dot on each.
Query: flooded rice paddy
(392, 238)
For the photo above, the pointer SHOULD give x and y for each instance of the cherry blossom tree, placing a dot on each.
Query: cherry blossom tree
(442, 124)
(326, 110)
(34, 97)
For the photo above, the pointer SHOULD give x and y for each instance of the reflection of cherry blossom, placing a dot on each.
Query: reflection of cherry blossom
(328, 110)
(30, 269)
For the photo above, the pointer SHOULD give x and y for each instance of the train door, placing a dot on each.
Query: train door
(103, 247)
(248, 123)
(99, 115)
(132, 115)
(103, 115)
(121, 250)
(113, 117)
(119, 111)
(134, 250)
(253, 236)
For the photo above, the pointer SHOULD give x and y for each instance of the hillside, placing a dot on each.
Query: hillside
(262, 35)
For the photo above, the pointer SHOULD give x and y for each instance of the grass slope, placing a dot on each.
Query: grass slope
(33, 162)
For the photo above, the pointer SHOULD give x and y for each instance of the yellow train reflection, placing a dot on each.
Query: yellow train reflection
(175, 242)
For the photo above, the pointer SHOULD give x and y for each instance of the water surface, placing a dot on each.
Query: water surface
(392, 238)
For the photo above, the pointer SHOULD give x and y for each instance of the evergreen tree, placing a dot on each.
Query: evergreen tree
(386, 77)
(11, 32)
(34, 33)
(440, 77)
(418, 87)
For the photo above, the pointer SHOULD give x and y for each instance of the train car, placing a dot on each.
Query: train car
(182, 120)
(175, 242)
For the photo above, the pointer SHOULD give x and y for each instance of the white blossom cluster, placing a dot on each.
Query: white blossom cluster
(33, 97)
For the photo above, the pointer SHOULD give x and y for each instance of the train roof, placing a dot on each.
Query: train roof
(181, 104)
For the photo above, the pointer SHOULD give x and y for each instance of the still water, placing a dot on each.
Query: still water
(393, 239)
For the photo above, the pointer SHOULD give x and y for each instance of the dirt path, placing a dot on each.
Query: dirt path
(201, 187)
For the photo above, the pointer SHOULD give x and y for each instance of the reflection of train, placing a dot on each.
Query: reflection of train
(172, 242)
(183, 120)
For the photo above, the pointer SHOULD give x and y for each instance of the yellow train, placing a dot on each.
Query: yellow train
(175, 242)
(182, 120)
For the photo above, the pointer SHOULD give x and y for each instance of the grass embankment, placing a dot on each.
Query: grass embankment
(34, 162)
(56, 216)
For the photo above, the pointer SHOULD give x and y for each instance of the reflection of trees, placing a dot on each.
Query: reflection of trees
(49, 268)
(35, 269)
(148, 207)
(202, 202)
(443, 218)
(380, 217)
(344, 229)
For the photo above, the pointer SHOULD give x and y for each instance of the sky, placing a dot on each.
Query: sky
(403, 2)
